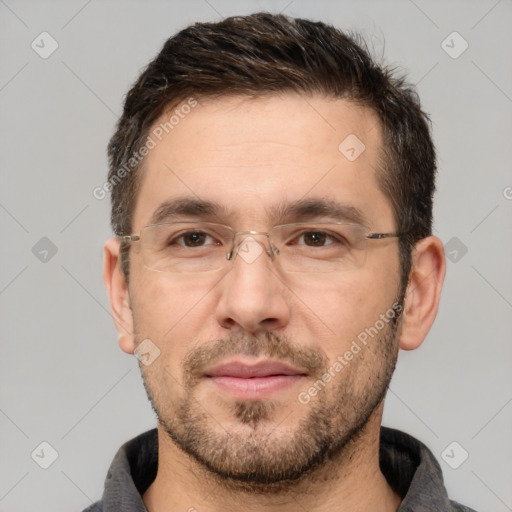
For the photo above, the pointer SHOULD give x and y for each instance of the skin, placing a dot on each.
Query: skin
(250, 155)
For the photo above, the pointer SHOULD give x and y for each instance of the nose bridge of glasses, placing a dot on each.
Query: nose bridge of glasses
(250, 244)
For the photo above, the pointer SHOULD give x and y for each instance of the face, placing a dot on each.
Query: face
(265, 374)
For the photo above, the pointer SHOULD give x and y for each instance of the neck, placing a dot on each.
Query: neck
(352, 482)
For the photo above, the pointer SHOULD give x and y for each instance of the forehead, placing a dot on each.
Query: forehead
(252, 156)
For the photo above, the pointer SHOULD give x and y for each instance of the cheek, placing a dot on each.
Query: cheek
(171, 310)
(335, 310)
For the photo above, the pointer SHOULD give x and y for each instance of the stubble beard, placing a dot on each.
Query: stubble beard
(260, 456)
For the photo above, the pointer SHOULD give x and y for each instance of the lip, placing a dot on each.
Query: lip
(242, 370)
(246, 380)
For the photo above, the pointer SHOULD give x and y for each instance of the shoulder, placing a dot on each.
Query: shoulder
(131, 472)
(413, 472)
(457, 507)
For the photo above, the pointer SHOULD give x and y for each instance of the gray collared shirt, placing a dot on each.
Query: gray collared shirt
(408, 465)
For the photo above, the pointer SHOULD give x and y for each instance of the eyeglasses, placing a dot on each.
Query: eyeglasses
(299, 247)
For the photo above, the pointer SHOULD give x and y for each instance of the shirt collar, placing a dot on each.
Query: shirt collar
(408, 465)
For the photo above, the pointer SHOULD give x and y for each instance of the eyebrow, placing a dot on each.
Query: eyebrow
(185, 206)
(307, 209)
(296, 211)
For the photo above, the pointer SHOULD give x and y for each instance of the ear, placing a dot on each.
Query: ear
(423, 292)
(117, 289)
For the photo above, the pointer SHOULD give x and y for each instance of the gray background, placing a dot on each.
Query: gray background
(63, 378)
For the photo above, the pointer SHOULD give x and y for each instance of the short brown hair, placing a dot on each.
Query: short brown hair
(265, 54)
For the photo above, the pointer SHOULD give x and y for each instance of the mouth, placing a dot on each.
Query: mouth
(249, 380)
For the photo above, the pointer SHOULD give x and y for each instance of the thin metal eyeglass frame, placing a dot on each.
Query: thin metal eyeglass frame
(272, 251)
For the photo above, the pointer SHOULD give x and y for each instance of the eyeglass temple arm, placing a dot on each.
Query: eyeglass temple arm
(378, 236)
(129, 238)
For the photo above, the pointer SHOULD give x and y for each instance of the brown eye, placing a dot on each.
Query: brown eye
(315, 238)
(194, 239)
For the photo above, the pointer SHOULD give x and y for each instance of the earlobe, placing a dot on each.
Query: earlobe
(117, 289)
(423, 292)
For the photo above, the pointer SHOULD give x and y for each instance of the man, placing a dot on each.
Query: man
(272, 200)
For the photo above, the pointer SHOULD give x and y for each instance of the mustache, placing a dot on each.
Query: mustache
(272, 345)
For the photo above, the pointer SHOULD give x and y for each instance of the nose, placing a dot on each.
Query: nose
(253, 297)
